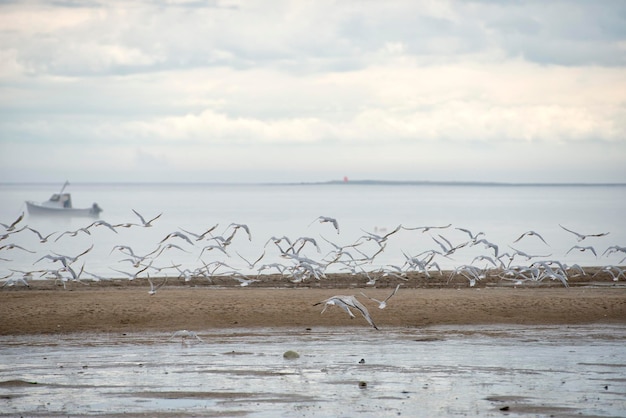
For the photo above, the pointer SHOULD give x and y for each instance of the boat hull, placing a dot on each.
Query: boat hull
(37, 209)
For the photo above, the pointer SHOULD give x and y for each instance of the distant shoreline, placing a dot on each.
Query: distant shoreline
(364, 182)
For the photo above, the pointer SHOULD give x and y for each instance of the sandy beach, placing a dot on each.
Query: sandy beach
(126, 306)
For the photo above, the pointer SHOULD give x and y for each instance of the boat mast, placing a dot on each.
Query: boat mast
(67, 183)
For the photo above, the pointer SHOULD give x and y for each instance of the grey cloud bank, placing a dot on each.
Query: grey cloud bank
(310, 91)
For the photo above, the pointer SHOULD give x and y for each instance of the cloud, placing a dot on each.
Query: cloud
(175, 84)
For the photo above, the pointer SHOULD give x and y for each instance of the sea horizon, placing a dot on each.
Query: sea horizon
(357, 182)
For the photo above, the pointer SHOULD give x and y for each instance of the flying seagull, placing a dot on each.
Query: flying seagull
(11, 227)
(581, 237)
(323, 219)
(143, 221)
(345, 303)
(529, 233)
(382, 304)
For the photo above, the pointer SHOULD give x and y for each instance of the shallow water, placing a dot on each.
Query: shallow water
(503, 213)
(434, 371)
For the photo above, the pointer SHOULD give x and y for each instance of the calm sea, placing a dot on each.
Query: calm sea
(501, 212)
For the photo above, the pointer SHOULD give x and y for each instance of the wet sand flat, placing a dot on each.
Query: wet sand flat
(124, 308)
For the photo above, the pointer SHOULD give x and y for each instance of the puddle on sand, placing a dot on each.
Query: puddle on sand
(434, 371)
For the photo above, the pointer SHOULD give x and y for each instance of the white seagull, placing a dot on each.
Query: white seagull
(529, 233)
(236, 227)
(183, 333)
(345, 303)
(42, 239)
(323, 219)
(153, 288)
(426, 228)
(176, 234)
(143, 221)
(580, 248)
(382, 304)
(581, 237)
(11, 227)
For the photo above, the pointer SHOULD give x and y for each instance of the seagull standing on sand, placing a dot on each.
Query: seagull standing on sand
(345, 303)
(382, 304)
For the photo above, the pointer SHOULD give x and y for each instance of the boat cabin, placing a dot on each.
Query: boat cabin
(62, 200)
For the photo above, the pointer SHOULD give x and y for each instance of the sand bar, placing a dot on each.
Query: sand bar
(127, 307)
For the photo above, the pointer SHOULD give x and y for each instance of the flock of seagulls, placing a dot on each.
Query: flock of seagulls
(301, 258)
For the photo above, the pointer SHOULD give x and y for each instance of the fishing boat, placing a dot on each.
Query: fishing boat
(61, 204)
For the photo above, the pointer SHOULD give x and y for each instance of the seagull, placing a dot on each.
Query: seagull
(73, 233)
(11, 227)
(213, 247)
(12, 246)
(143, 221)
(73, 259)
(578, 247)
(123, 248)
(153, 288)
(472, 236)
(614, 249)
(382, 304)
(277, 241)
(426, 228)
(581, 237)
(452, 248)
(485, 258)
(125, 225)
(323, 219)
(488, 245)
(183, 333)
(103, 223)
(615, 275)
(12, 281)
(378, 238)
(132, 276)
(251, 265)
(200, 237)
(160, 250)
(345, 303)
(177, 235)
(15, 231)
(302, 241)
(243, 280)
(42, 239)
(242, 226)
(528, 256)
(529, 233)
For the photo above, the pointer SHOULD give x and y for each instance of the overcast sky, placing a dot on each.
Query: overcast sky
(256, 91)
